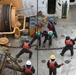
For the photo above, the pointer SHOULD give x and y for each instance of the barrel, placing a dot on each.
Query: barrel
(5, 17)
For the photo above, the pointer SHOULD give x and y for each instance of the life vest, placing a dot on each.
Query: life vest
(26, 46)
(51, 25)
(28, 70)
(68, 42)
(51, 65)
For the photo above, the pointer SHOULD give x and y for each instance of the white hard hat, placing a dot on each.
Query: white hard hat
(28, 62)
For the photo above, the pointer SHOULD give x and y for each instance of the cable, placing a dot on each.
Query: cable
(14, 71)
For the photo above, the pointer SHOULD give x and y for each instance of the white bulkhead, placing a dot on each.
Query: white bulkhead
(47, 7)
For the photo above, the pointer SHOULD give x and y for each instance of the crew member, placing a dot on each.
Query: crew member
(25, 49)
(53, 65)
(69, 46)
(28, 69)
(52, 27)
(48, 36)
(38, 37)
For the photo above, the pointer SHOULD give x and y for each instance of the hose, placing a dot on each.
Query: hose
(17, 33)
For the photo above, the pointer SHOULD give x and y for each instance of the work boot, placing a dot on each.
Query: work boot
(49, 46)
(43, 45)
(61, 54)
(71, 56)
(30, 55)
(55, 36)
(16, 56)
(39, 47)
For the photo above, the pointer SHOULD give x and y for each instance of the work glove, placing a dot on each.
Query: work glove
(55, 23)
(20, 46)
(74, 39)
(61, 64)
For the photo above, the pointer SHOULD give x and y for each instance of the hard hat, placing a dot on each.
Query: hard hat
(50, 34)
(28, 62)
(67, 37)
(52, 56)
(26, 40)
(51, 20)
(38, 34)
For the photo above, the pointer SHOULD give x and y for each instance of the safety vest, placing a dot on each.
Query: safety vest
(51, 65)
(28, 70)
(48, 31)
(51, 25)
(26, 46)
(68, 42)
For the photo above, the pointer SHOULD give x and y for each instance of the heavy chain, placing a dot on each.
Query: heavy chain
(11, 46)
(50, 48)
(35, 48)
(14, 46)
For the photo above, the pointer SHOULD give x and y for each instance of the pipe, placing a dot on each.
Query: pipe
(13, 67)
(23, 22)
(3, 64)
(9, 32)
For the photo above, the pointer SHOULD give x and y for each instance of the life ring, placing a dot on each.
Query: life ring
(17, 33)
(4, 40)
